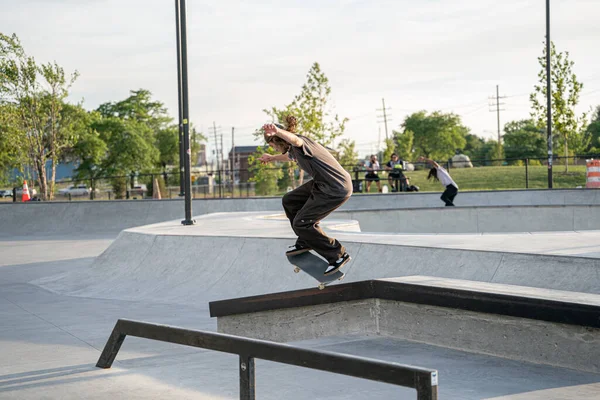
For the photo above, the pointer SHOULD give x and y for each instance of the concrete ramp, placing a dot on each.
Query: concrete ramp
(242, 254)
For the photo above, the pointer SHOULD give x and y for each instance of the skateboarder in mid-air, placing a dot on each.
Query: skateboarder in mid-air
(309, 203)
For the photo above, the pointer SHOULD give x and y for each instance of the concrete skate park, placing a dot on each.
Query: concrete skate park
(500, 295)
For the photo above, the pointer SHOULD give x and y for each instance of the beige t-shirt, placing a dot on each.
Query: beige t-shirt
(328, 175)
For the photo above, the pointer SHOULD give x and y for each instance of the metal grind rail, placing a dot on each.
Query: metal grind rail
(424, 380)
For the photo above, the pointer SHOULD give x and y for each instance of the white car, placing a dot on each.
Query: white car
(6, 193)
(78, 190)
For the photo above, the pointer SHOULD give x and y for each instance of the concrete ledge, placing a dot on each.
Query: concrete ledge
(541, 326)
(549, 305)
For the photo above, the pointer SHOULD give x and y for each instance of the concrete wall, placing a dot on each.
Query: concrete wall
(110, 217)
(540, 342)
(478, 219)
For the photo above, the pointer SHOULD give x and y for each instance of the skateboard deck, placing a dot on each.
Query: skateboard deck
(314, 266)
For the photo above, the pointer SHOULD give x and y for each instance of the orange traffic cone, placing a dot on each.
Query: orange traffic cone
(25, 196)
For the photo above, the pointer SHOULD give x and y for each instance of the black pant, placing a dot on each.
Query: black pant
(449, 195)
(305, 207)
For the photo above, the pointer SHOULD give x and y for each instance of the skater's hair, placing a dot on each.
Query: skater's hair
(433, 174)
(291, 126)
(292, 123)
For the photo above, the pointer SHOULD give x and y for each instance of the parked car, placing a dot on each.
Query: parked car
(5, 193)
(78, 190)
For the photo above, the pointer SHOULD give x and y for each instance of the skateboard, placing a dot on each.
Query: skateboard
(314, 266)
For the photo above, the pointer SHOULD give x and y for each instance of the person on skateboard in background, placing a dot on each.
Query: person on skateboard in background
(308, 204)
(438, 173)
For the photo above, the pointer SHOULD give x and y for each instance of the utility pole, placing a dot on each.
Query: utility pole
(232, 158)
(385, 117)
(495, 107)
(217, 154)
(549, 94)
(222, 165)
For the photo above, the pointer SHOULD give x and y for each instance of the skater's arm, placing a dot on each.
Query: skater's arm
(267, 158)
(291, 138)
(427, 160)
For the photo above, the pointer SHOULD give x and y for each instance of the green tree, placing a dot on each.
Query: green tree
(593, 132)
(523, 139)
(311, 108)
(404, 144)
(12, 154)
(390, 148)
(436, 135)
(347, 154)
(474, 147)
(493, 152)
(45, 121)
(265, 176)
(566, 89)
(129, 146)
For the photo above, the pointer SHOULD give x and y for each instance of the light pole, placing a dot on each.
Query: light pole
(548, 94)
(184, 111)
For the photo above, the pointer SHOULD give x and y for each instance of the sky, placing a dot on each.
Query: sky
(246, 56)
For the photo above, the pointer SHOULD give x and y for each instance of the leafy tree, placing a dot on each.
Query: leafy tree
(265, 175)
(12, 154)
(404, 144)
(566, 90)
(129, 146)
(38, 92)
(593, 132)
(311, 108)
(523, 139)
(390, 148)
(493, 152)
(474, 147)
(436, 135)
(347, 154)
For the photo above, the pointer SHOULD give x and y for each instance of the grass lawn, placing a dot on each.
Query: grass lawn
(498, 178)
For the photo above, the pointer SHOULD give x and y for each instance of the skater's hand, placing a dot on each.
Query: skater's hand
(265, 158)
(270, 130)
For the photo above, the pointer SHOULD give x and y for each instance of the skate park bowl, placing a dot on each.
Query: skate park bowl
(540, 248)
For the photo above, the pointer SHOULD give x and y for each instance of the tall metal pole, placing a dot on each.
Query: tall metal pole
(181, 156)
(549, 94)
(186, 119)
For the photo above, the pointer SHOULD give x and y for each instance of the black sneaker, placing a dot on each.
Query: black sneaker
(337, 264)
(297, 249)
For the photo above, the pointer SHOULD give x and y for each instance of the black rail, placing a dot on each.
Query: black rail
(424, 380)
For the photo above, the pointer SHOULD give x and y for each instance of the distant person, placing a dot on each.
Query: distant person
(438, 173)
(308, 204)
(372, 173)
(396, 177)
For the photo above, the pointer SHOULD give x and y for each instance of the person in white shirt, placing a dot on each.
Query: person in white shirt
(372, 176)
(438, 173)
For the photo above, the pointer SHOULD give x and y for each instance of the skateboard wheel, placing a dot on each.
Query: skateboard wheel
(321, 287)
(296, 270)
